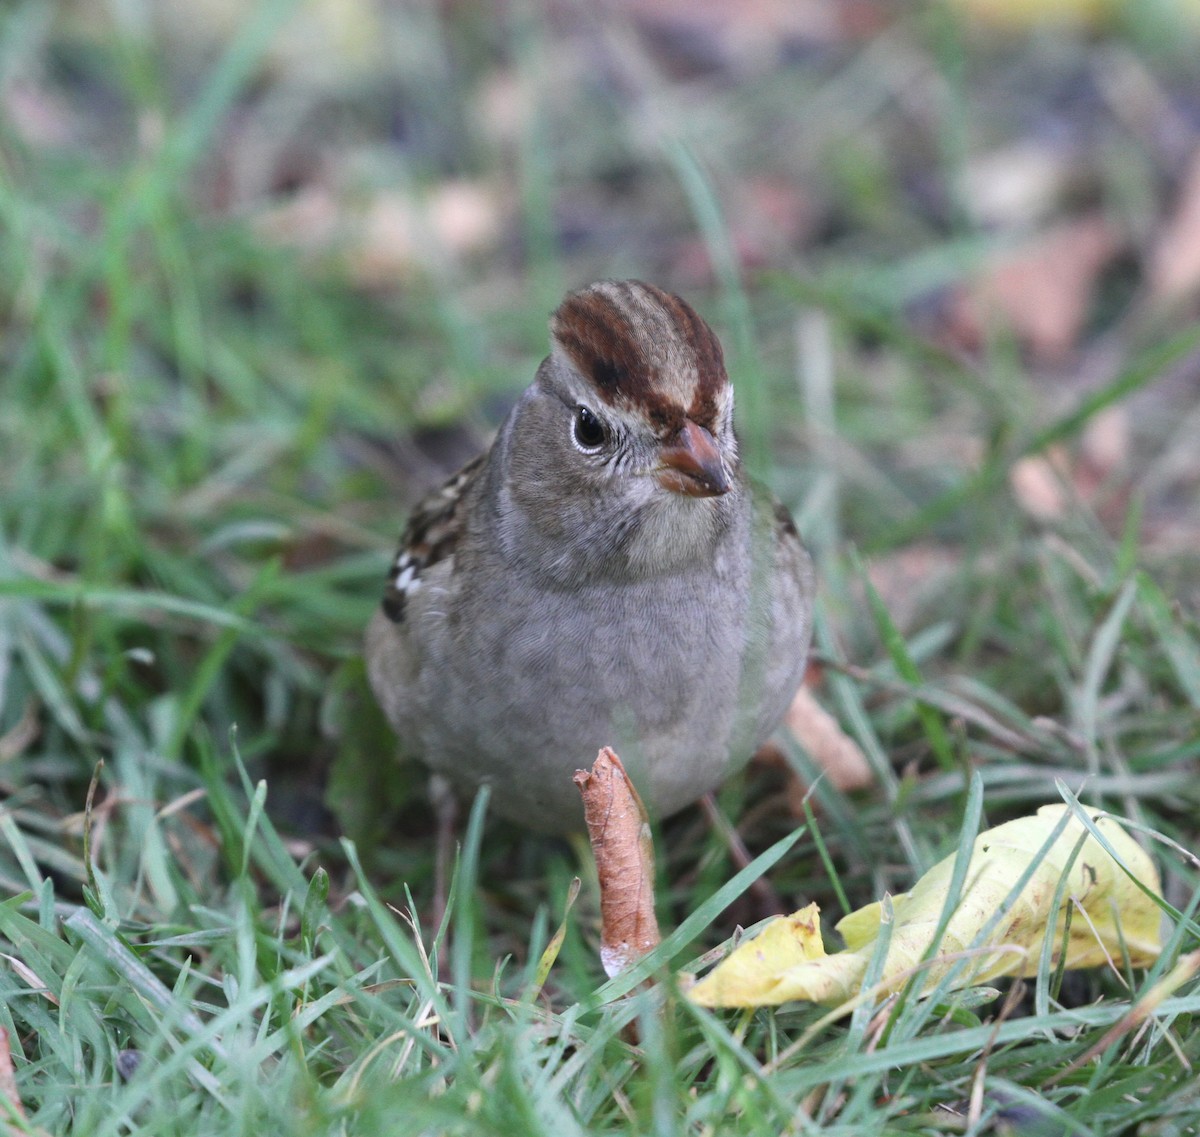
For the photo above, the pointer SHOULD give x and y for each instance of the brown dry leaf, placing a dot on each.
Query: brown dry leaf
(1111, 918)
(1102, 472)
(1041, 291)
(619, 831)
(464, 215)
(830, 746)
(399, 232)
(1174, 269)
(386, 241)
(1104, 444)
(1037, 483)
(1043, 483)
(392, 233)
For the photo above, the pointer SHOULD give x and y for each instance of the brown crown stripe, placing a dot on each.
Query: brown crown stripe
(602, 340)
(617, 334)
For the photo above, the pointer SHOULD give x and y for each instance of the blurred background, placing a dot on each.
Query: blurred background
(269, 271)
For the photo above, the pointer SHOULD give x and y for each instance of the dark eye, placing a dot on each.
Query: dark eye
(589, 430)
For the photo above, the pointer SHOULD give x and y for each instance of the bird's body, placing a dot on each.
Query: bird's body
(605, 575)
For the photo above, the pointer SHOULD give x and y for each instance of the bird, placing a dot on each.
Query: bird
(604, 574)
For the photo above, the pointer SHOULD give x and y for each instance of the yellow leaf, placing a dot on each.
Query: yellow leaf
(1018, 15)
(1111, 917)
(755, 975)
(1022, 16)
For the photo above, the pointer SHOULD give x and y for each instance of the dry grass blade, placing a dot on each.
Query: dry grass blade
(8, 1084)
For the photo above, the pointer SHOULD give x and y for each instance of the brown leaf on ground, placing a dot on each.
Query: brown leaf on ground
(619, 831)
(1105, 444)
(392, 234)
(1174, 269)
(830, 746)
(465, 216)
(399, 232)
(1038, 482)
(387, 240)
(1042, 291)
(1102, 473)
(1096, 475)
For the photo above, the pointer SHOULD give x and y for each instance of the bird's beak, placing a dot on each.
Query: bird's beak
(691, 464)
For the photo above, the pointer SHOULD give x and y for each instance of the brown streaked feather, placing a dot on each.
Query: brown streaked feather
(430, 536)
(644, 347)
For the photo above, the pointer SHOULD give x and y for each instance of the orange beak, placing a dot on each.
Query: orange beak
(692, 464)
